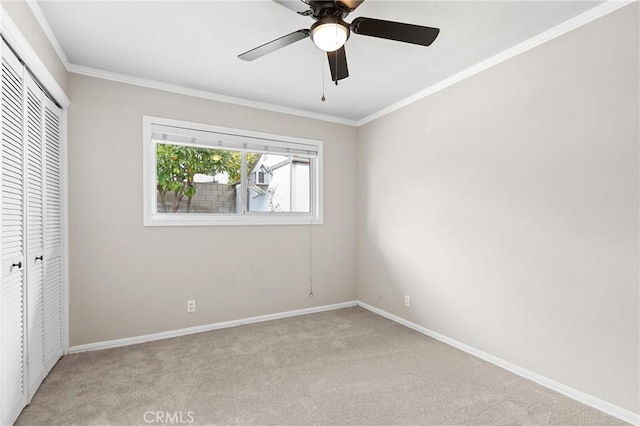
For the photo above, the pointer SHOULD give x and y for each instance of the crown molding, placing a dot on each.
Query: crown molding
(590, 15)
(167, 87)
(563, 28)
(44, 24)
(122, 78)
(30, 58)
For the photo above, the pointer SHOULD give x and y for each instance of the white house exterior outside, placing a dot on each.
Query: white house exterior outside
(279, 183)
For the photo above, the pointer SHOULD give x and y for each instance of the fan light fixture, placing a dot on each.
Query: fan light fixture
(329, 34)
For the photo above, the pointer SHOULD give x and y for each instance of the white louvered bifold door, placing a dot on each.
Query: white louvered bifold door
(12, 389)
(34, 234)
(53, 264)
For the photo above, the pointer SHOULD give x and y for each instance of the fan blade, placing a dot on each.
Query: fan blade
(338, 64)
(298, 6)
(349, 5)
(398, 31)
(274, 45)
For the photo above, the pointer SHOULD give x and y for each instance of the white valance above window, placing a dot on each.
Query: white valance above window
(221, 140)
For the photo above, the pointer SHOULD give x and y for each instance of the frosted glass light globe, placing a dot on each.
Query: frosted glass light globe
(329, 36)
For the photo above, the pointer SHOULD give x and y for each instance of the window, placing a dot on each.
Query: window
(197, 174)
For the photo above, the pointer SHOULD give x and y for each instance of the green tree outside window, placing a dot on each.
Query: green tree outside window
(177, 165)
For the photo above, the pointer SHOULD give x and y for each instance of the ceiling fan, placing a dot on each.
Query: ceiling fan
(330, 31)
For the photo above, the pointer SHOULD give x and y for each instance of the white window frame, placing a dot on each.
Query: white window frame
(153, 218)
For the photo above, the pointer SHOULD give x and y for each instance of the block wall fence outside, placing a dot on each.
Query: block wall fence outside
(209, 198)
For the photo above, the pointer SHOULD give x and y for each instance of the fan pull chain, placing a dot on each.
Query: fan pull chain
(336, 67)
(311, 255)
(323, 98)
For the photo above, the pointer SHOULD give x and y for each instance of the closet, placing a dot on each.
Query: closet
(31, 290)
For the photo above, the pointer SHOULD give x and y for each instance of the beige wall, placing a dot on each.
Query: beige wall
(127, 280)
(21, 15)
(506, 206)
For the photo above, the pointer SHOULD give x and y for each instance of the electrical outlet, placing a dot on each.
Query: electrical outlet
(191, 306)
(380, 293)
(407, 301)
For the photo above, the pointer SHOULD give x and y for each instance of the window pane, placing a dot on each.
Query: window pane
(196, 179)
(212, 175)
(278, 183)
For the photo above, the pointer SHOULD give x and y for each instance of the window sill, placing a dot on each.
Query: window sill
(178, 219)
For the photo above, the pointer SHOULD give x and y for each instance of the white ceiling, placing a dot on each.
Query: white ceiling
(195, 45)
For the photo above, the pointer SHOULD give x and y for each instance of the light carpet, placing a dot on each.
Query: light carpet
(342, 367)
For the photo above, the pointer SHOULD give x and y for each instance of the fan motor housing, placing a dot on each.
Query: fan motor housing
(324, 9)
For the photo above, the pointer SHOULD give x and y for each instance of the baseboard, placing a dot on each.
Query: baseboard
(570, 392)
(592, 401)
(208, 327)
